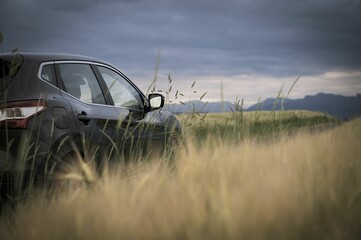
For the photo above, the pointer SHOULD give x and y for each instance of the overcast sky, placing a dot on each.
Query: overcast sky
(252, 46)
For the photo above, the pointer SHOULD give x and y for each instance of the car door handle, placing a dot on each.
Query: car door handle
(84, 117)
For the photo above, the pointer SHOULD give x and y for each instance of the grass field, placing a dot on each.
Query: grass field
(294, 175)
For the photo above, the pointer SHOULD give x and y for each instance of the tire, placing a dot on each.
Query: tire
(69, 168)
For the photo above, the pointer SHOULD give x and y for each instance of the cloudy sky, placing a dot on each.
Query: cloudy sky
(253, 47)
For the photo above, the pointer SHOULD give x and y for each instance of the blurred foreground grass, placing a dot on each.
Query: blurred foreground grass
(304, 185)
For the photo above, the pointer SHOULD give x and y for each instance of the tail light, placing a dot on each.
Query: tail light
(18, 114)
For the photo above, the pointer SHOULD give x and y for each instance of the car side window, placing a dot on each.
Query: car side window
(79, 81)
(48, 74)
(121, 91)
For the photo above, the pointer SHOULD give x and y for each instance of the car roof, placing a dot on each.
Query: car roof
(43, 57)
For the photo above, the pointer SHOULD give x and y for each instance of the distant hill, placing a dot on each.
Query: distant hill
(342, 107)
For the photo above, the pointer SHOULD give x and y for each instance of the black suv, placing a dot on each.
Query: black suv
(56, 105)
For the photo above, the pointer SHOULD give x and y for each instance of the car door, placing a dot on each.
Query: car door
(95, 118)
(126, 97)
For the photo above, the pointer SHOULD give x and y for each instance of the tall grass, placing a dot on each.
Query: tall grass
(297, 187)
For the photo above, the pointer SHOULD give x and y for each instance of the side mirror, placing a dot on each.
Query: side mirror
(156, 101)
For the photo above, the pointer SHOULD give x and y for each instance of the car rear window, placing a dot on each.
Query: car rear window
(4, 68)
(8, 70)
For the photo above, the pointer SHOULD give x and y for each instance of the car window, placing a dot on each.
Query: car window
(121, 91)
(5, 67)
(8, 70)
(48, 73)
(79, 81)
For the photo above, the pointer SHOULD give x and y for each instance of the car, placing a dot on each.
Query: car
(54, 106)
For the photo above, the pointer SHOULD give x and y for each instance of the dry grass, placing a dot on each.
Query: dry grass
(300, 187)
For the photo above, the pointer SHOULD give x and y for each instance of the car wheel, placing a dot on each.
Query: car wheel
(72, 173)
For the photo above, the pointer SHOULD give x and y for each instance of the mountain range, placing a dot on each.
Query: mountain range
(342, 107)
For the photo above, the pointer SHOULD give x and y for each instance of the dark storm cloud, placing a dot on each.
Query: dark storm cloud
(279, 37)
(307, 35)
